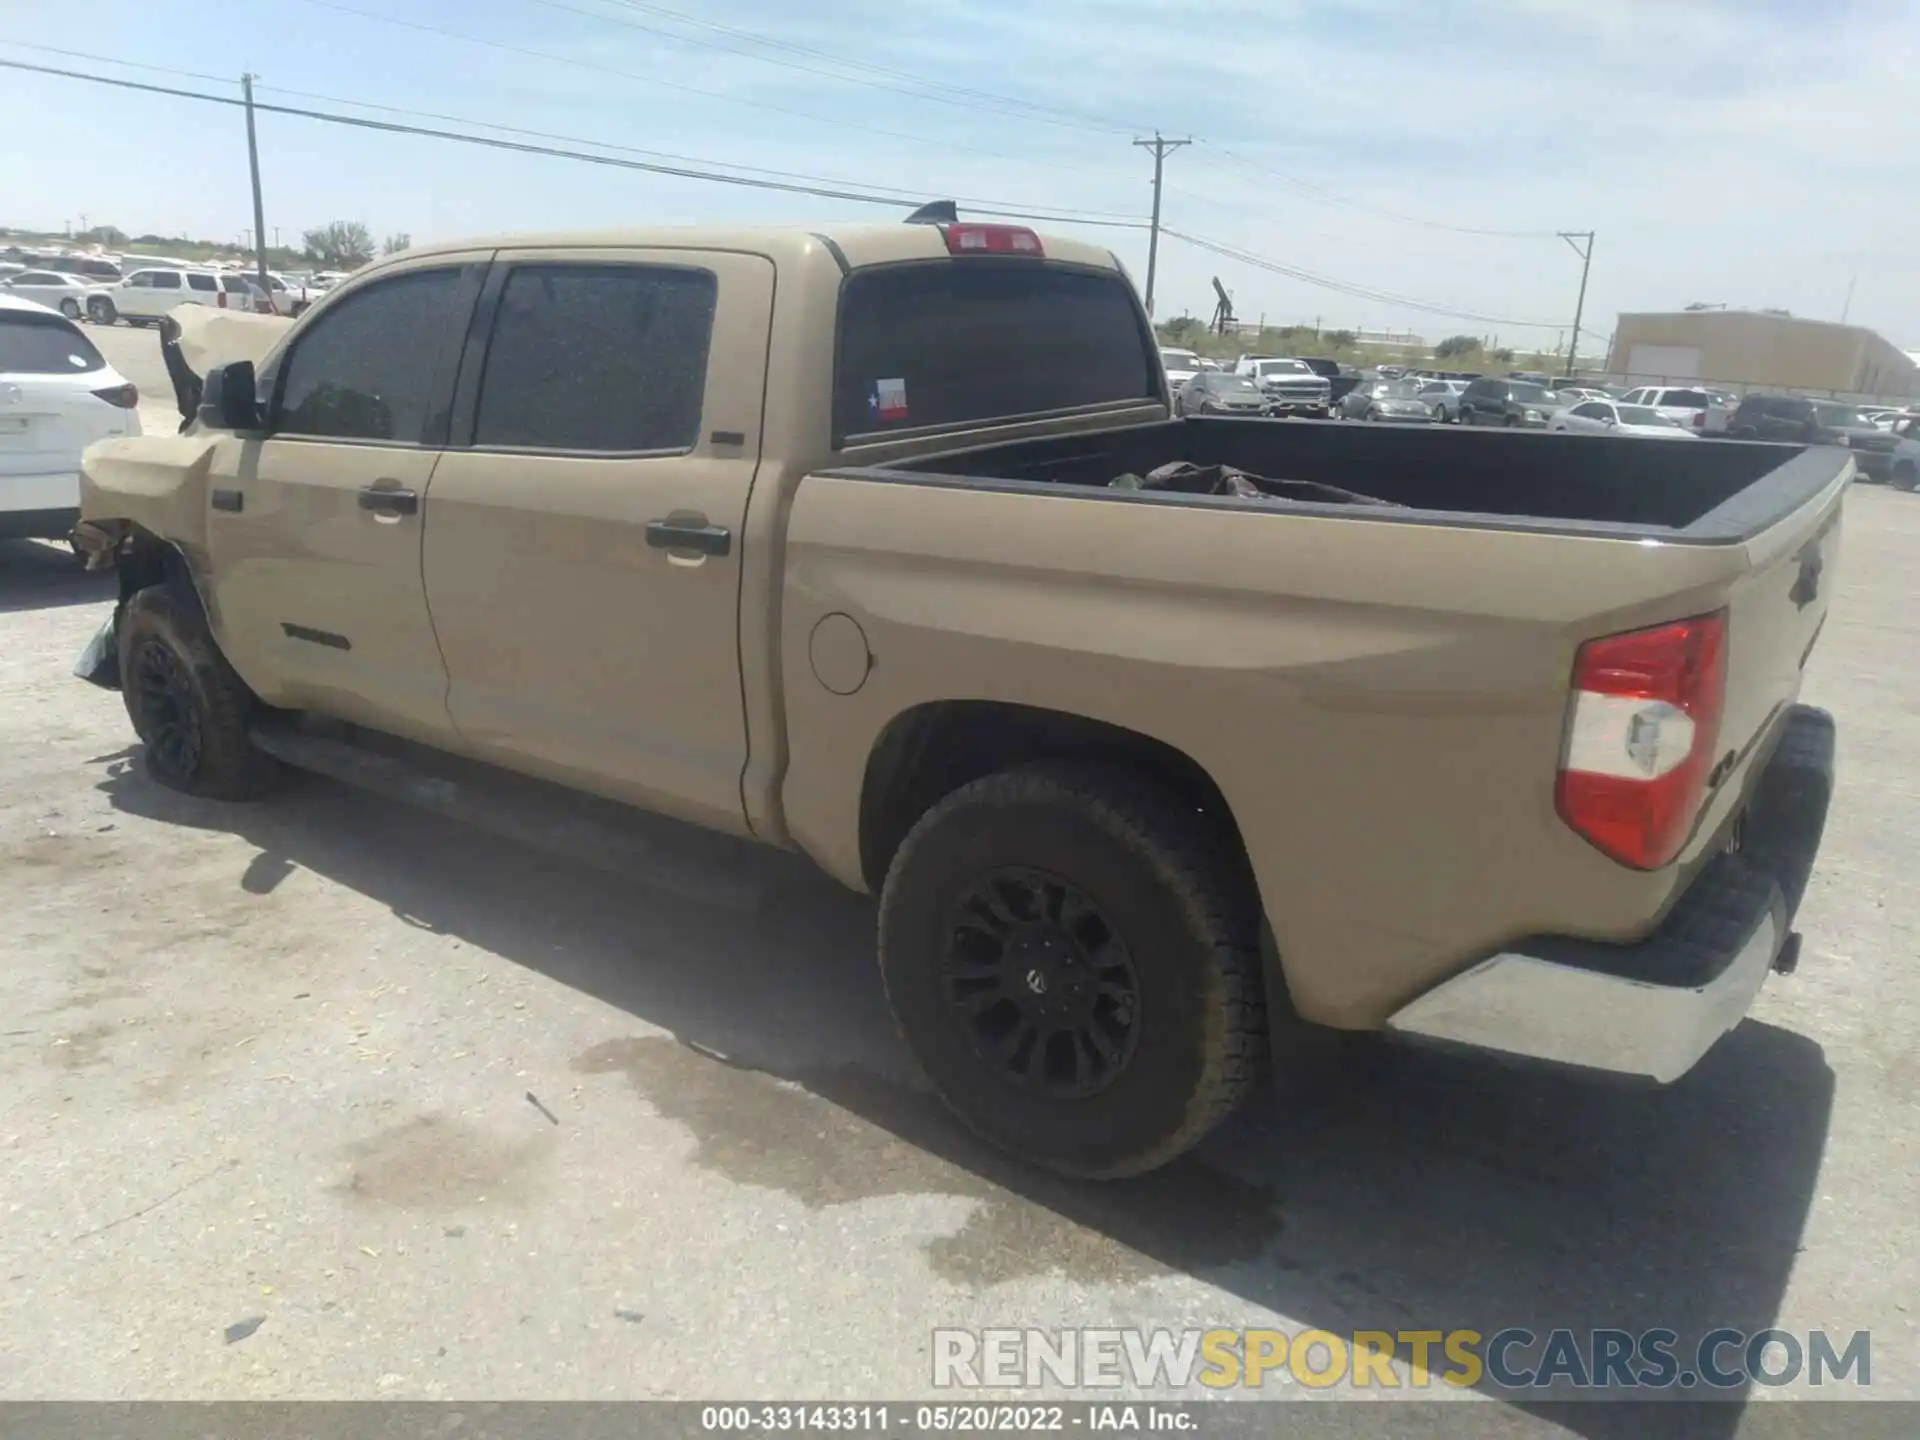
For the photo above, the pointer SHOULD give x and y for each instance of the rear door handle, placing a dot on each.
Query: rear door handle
(689, 535)
(390, 499)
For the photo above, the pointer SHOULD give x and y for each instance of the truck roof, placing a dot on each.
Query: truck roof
(861, 244)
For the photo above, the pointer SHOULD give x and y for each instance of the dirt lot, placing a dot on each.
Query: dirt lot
(454, 1118)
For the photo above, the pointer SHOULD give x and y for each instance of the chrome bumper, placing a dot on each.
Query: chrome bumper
(1653, 1008)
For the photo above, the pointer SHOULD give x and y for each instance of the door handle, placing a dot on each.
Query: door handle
(691, 534)
(390, 499)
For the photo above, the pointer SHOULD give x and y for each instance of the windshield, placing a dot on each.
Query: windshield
(1283, 367)
(1839, 417)
(1531, 394)
(1179, 359)
(1645, 415)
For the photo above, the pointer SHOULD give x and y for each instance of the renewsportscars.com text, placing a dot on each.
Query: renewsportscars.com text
(1512, 1359)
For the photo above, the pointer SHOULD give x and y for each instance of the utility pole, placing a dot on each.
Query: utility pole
(1159, 147)
(1845, 308)
(1579, 306)
(253, 167)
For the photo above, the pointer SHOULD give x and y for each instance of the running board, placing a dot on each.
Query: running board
(669, 855)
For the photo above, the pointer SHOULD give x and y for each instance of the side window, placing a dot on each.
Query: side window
(610, 359)
(202, 282)
(141, 280)
(166, 279)
(1634, 397)
(1593, 410)
(370, 368)
(234, 285)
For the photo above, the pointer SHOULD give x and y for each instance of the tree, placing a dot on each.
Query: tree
(1456, 345)
(339, 244)
(396, 242)
(1503, 356)
(1181, 329)
(1341, 339)
(103, 235)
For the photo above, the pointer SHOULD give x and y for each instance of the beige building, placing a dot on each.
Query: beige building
(1752, 349)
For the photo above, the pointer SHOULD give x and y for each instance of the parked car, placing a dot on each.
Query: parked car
(1687, 404)
(87, 267)
(1180, 365)
(57, 396)
(1387, 400)
(1516, 403)
(286, 294)
(1292, 387)
(1130, 774)
(1573, 394)
(1906, 453)
(144, 296)
(1443, 398)
(1816, 422)
(1604, 417)
(53, 288)
(1217, 394)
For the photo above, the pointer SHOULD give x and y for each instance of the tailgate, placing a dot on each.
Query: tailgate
(1774, 615)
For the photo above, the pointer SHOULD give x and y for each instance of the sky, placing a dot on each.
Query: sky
(1420, 152)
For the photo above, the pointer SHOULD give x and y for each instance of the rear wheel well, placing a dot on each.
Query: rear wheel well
(928, 752)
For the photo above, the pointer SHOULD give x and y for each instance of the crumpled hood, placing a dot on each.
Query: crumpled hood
(210, 337)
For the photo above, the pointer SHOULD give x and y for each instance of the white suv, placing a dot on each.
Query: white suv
(145, 295)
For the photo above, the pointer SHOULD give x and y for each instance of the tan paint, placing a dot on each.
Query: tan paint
(1382, 704)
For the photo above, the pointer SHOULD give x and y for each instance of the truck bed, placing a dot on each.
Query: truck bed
(1678, 490)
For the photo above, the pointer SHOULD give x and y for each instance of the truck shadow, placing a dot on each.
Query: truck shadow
(37, 576)
(1402, 1191)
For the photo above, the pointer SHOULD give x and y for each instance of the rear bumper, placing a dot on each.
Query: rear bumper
(1651, 1009)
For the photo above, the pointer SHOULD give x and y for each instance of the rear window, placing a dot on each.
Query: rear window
(44, 345)
(234, 284)
(971, 340)
(1694, 398)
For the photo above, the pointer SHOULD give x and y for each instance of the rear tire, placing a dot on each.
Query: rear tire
(1511, 422)
(1906, 476)
(70, 308)
(188, 707)
(1147, 1022)
(101, 311)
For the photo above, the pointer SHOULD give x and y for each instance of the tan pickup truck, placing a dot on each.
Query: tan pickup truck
(876, 543)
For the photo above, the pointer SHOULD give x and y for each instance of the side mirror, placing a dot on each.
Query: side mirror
(227, 397)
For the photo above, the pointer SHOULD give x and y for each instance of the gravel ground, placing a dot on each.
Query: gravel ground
(449, 1117)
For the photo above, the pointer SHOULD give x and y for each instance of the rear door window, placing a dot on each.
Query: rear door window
(597, 359)
(201, 282)
(954, 342)
(166, 279)
(44, 345)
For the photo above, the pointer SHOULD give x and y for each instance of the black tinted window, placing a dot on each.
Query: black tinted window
(954, 341)
(369, 368)
(201, 282)
(609, 358)
(44, 345)
(166, 279)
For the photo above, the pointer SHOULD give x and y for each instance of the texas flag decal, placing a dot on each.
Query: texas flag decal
(888, 400)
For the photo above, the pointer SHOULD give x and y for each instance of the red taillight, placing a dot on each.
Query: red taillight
(223, 299)
(124, 396)
(1641, 736)
(991, 240)
(1699, 419)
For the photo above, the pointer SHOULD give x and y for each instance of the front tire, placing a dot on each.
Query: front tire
(70, 308)
(1072, 954)
(100, 310)
(1906, 476)
(187, 705)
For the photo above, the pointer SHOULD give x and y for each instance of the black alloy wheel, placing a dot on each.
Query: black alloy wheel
(1042, 983)
(170, 723)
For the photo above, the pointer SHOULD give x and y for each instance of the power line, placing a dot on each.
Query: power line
(862, 197)
(1325, 196)
(655, 80)
(1058, 213)
(874, 77)
(921, 81)
(1343, 287)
